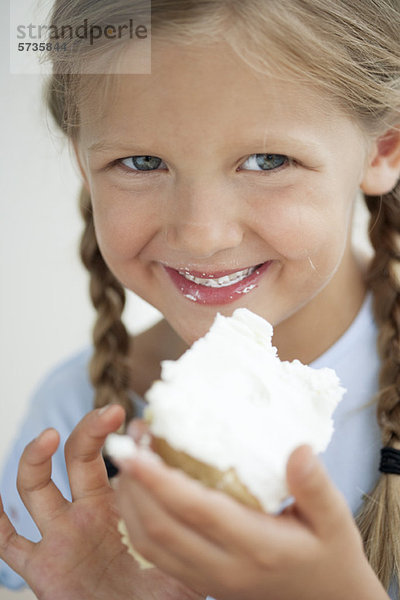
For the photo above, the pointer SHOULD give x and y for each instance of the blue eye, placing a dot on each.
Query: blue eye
(257, 162)
(266, 162)
(142, 163)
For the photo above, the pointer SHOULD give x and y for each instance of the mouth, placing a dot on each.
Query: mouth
(220, 287)
(221, 281)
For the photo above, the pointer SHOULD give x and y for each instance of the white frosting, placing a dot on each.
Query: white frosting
(120, 446)
(230, 402)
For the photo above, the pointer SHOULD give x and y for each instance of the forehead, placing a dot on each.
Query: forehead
(202, 93)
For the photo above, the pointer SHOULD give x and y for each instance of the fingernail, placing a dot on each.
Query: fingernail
(39, 437)
(309, 463)
(143, 458)
(105, 408)
(134, 429)
(43, 434)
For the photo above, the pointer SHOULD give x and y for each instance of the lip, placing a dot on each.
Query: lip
(195, 292)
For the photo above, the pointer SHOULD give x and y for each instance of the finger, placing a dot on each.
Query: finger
(14, 549)
(137, 428)
(213, 514)
(85, 465)
(164, 540)
(183, 498)
(237, 534)
(317, 499)
(38, 492)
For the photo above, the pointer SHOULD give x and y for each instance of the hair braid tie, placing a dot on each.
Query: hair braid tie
(109, 366)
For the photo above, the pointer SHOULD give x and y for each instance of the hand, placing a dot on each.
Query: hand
(210, 542)
(80, 556)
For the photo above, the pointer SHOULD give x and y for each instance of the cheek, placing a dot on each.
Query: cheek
(311, 225)
(123, 226)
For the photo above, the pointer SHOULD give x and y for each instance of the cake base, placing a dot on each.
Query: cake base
(142, 562)
(225, 481)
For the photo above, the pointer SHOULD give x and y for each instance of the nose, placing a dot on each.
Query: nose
(203, 221)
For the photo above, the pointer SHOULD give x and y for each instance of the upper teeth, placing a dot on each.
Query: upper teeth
(219, 281)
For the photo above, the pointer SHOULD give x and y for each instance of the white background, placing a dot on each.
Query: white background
(45, 313)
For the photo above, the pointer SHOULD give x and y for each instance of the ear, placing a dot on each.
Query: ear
(383, 169)
(79, 161)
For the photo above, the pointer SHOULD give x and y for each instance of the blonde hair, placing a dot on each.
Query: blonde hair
(348, 50)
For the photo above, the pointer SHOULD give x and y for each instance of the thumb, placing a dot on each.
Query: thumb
(317, 500)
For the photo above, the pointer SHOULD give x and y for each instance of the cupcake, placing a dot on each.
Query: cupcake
(229, 412)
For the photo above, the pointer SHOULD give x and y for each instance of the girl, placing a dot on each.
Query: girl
(241, 154)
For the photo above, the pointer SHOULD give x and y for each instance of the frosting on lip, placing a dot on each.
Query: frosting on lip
(220, 281)
(231, 403)
(210, 274)
(207, 293)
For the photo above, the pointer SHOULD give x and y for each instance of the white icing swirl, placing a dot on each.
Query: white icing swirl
(231, 403)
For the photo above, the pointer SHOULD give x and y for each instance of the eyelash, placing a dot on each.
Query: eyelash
(289, 162)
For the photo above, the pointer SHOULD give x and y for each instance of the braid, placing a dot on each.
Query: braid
(109, 366)
(379, 518)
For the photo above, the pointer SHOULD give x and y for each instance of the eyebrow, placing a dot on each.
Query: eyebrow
(108, 146)
(296, 144)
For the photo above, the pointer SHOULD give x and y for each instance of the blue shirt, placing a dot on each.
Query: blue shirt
(352, 457)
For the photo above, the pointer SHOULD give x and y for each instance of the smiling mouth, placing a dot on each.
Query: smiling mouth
(218, 282)
(216, 288)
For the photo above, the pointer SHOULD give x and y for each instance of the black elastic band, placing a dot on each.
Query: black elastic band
(390, 461)
(112, 470)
